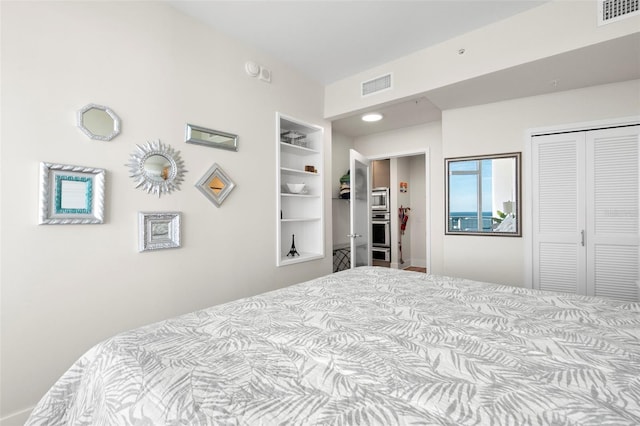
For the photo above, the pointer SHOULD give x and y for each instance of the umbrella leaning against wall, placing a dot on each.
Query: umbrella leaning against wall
(403, 214)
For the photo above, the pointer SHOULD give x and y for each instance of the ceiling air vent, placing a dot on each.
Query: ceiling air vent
(376, 85)
(615, 10)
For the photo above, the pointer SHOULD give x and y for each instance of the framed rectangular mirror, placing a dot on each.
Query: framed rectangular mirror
(212, 138)
(483, 195)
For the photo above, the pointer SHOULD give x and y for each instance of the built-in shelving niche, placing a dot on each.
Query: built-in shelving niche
(299, 160)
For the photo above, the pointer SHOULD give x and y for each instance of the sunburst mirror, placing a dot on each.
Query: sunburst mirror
(156, 168)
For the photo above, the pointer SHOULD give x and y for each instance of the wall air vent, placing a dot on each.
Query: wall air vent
(615, 10)
(376, 85)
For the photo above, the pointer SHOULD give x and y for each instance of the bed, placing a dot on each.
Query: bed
(367, 346)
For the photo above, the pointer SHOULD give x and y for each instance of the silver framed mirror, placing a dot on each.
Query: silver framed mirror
(98, 122)
(212, 138)
(215, 185)
(156, 168)
(483, 195)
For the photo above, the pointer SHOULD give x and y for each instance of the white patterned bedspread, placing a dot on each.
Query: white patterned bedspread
(371, 346)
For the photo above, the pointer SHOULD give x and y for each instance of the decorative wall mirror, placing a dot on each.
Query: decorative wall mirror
(213, 138)
(98, 122)
(215, 185)
(158, 230)
(156, 168)
(71, 194)
(483, 195)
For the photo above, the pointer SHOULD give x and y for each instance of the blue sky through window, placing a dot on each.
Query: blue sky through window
(463, 195)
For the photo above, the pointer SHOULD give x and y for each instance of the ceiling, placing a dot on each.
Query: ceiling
(331, 40)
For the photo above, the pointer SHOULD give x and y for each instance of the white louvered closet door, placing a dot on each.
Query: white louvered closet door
(613, 202)
(558, 212)
(586, 199)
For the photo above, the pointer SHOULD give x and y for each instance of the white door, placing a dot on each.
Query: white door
(360, 209)
(586, 199)
(558, 213)
(612, 239)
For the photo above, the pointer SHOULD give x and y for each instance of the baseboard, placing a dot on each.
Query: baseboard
(16, 419)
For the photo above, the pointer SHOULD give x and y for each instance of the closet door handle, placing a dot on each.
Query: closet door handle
(582, 238)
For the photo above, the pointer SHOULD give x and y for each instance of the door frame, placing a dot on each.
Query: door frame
(527, 228)
(427, 180)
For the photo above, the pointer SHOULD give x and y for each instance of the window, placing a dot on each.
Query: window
(483, 195)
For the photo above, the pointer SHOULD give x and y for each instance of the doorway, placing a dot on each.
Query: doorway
(409, 189)
(408, 210)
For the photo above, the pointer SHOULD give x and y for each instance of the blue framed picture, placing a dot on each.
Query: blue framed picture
(71, 194)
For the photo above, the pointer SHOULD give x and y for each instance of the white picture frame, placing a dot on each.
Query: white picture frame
(71, 195)
(158, 230)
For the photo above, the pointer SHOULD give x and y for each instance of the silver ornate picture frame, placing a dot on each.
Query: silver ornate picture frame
(158, 230)
(71, 195)
(215, 185)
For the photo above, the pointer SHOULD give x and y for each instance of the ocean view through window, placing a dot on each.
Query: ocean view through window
(483, 195)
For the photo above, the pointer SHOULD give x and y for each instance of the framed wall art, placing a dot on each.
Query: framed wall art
(71, 195)
(158, 230)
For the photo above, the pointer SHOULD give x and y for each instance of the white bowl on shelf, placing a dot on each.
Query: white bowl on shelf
(295, 188)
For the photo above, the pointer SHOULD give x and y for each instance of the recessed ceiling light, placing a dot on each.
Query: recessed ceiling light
(372, 117)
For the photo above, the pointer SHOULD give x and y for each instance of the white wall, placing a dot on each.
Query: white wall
(64, 288)
(416, 226)
(407, 141)
(501, 127)
(400, 172)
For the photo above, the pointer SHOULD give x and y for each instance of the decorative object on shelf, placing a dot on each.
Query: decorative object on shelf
(296, 188)
(310, 169)
(292, 251)
(156, 168)
(215, 185)
(345, 185)
(212, 138)
(98, 122)
(294, 138)
(158, 230)
(71, 194)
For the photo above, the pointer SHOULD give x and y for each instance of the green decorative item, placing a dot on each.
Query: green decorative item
(345, 185)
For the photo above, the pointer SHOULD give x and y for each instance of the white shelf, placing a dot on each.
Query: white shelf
(300, 219)
(297, 172)
(299, 215)
(298, 150)
(285, 194)
(304, 257)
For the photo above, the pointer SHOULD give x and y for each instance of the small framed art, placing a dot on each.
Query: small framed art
(158, 230)
(71, 194)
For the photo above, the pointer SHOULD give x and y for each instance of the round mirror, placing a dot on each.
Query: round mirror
(156, 168)
(98, 122)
